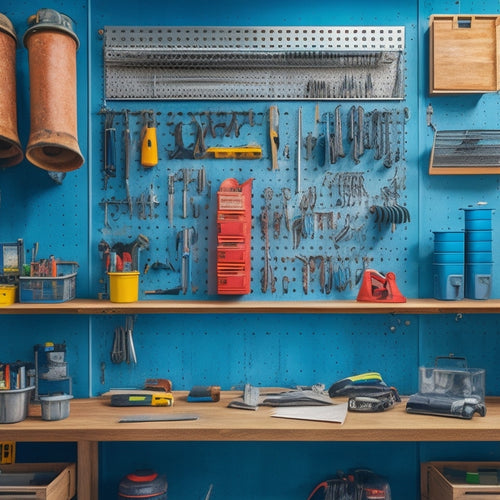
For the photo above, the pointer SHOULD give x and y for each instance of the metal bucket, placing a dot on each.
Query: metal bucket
(14, 404)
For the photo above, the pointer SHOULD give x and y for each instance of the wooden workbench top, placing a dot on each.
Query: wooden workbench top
(411, 306)
(94, 420)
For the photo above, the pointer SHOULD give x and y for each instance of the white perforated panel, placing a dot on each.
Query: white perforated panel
(309, 62)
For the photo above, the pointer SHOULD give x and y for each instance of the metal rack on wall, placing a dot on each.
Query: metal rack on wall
(324, 200)
(254, 62)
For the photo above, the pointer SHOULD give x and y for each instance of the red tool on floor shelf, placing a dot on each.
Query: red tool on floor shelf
(377, 287)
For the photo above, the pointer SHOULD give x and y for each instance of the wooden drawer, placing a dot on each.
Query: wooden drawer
(464, 56)
(57, 481)
(435, 486)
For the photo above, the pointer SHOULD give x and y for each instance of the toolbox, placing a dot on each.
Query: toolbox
(41, 481)
(454, 480)
(463, 54)
(40, 289)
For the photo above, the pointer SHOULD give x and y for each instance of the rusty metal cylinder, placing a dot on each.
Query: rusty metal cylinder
(11, 152)
(52, 45)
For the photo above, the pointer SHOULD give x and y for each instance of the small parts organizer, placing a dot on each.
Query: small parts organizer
(234, 225)
(58, 286)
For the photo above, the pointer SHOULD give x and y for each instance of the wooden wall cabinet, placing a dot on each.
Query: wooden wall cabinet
(464, 54)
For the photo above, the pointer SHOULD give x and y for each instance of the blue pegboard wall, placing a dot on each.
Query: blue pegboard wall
(330, 222)
(266, 350)
(35, 207)
(68, 220)
(441, 197)
(325, 247)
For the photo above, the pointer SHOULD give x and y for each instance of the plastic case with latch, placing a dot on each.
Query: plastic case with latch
(450, 388)
(453, 378)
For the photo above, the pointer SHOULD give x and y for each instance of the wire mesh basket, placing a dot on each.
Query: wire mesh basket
(50, 289)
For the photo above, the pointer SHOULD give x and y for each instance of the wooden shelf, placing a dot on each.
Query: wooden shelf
(412, 306)
(95, 420)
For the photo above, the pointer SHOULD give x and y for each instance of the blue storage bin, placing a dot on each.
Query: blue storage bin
(478, 225)
(478, 246)
(449, 246)
(449, 281)
(478, 281)
(449, 257)
(477, 213)
(478, 257)
(479, 235)
(449, 236)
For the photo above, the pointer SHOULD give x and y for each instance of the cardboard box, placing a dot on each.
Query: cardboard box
(56, 481)
(434, 485)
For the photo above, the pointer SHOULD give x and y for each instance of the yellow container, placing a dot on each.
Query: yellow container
(7, 294)
(124, 286)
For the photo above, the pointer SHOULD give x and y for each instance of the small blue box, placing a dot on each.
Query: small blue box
(478, 281)
(449, 281)
(449, 236)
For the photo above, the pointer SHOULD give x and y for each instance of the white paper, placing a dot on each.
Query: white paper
(329, 413)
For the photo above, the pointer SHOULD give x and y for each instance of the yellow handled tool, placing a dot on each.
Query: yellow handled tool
(149, 147)
(237, 152)
(140, 399)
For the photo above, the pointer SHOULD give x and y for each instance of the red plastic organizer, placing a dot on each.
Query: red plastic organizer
(234, 236)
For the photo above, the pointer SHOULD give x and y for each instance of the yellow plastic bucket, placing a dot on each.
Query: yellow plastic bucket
(124, 286)
(7, 294)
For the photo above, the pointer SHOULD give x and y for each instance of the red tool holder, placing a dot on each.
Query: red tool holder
(377, 287)
(234, 236)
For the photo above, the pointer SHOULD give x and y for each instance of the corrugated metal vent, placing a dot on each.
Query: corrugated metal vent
(465, 152)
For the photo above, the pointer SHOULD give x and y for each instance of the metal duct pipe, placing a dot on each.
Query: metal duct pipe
(52, 45)
(10, 147)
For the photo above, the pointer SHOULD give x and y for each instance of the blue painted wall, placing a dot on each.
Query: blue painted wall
(229, 350)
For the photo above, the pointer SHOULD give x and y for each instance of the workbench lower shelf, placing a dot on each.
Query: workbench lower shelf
(41, 481)
(93, 420)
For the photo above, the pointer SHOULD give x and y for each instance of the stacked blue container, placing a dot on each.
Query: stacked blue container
(448, 265)
(478, 253)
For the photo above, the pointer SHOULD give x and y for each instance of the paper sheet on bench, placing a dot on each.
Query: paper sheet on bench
(329, 413)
